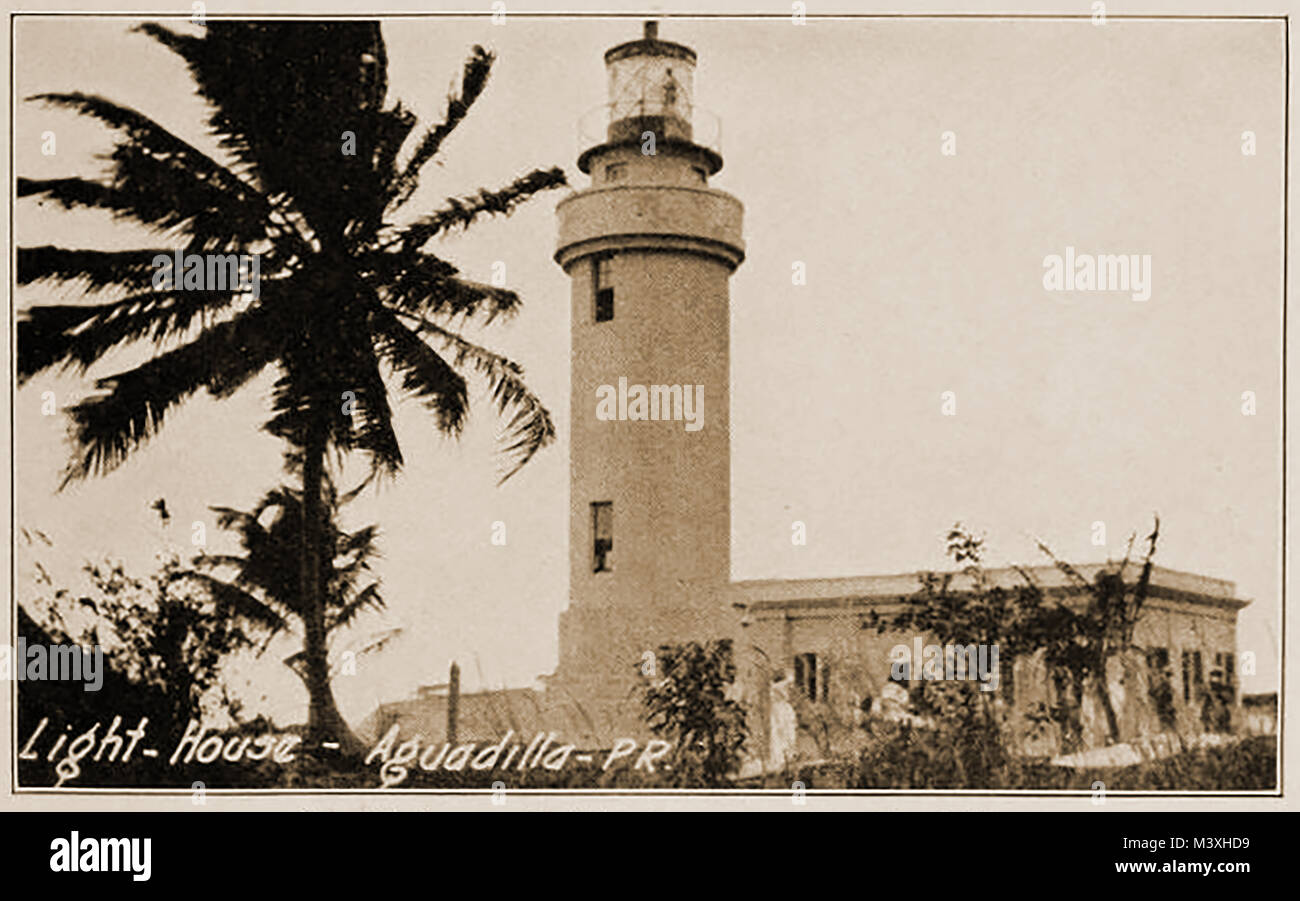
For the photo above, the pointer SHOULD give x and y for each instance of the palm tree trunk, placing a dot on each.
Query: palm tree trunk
(324, 722)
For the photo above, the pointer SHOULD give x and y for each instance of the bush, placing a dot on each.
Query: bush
(687, 706)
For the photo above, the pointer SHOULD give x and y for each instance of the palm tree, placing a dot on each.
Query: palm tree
(259, 587)
(314, 180)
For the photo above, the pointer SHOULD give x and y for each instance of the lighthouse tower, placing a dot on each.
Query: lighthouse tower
(650, 248)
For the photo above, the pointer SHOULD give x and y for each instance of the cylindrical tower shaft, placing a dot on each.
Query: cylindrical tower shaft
(650, 249)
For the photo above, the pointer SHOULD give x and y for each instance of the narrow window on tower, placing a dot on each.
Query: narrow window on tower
(602, 528)
(604, 287)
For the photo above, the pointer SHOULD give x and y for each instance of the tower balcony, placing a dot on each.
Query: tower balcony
(626, 122)
(678, 219)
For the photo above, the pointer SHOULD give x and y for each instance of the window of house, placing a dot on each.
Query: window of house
(1159, 686)
(616, 172)
(1059, 680)
(1217, 715)
(602, 527)
(805, 675)
(1193, 674)
(602, 277)
(1223, 674)
(1007, 681)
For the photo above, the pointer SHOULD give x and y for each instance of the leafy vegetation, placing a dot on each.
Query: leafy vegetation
(1077, 640)
(686, 704)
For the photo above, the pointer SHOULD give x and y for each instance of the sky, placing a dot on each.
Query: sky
(923, 276)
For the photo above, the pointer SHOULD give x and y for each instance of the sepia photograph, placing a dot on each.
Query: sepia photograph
(646, 403)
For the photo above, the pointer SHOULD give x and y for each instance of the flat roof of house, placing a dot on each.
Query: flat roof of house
(774, 592)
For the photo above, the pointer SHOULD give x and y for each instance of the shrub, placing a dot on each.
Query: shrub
(687, 705)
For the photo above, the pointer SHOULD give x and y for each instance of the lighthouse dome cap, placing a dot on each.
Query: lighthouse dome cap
(650, 45)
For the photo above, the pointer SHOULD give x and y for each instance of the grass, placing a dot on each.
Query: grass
(897, 758)
(902, 757)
